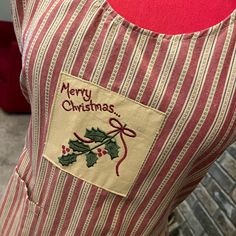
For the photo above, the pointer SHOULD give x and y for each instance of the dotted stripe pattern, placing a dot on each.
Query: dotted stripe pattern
(191, 79)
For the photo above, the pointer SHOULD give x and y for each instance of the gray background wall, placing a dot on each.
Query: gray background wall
(5, 13)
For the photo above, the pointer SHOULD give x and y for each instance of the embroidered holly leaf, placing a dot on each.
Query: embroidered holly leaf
(78, 146)
(96, 135)
(68, 159)
(112, 149)
(91, 158)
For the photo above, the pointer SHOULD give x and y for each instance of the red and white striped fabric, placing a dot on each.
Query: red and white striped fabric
(190, 77)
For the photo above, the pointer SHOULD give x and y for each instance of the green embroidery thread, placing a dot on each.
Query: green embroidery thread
(80, 146)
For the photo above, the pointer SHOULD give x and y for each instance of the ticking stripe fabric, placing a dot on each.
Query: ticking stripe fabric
(189, 77)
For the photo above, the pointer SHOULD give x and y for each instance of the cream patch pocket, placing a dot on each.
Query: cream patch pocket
(98, 135)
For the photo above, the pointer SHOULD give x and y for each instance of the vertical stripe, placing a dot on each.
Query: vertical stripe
(190, 77)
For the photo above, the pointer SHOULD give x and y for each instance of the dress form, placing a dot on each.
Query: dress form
(174, 16)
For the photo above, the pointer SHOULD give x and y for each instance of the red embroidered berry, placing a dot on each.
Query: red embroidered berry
(64, 152)
(99, 149)
(67, 149)
(99, 154)
(104, 152)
